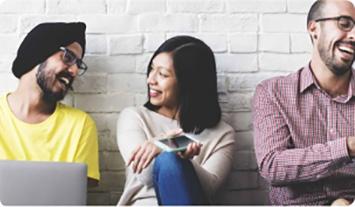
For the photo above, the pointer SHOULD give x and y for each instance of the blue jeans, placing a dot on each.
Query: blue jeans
(176, 182)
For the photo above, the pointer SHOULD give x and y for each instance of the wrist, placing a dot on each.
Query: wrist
(350, 143)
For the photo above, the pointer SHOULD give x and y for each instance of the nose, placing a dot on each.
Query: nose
(352, 34)
(151, 80)
(73, 70)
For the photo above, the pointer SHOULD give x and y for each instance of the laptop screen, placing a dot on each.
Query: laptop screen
(42, 183)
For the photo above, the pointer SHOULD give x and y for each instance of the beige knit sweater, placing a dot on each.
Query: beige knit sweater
(138, 124)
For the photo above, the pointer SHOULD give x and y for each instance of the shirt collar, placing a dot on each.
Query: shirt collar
(307, 79)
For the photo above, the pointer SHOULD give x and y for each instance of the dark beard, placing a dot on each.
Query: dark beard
(48, 95)
(337, 69)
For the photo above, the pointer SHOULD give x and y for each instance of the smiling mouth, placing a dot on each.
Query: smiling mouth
(346, 49)
(154, 93)
(66, 81)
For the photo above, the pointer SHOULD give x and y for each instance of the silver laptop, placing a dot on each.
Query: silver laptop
(42, 183)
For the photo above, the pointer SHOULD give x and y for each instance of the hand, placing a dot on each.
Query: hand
(145, 153)
(143, 156)
(340, 202)
(191, 150)
(350, 142)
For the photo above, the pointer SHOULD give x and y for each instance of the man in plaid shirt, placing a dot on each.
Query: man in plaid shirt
(304, 123)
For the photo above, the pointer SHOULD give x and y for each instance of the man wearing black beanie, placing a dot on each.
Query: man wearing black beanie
(34, 125)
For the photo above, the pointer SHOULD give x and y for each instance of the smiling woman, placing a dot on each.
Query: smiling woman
(182, 97)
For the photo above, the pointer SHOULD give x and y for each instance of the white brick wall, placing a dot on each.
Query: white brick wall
(252, 40)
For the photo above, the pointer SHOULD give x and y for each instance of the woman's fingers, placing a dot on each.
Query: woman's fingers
(191, 150)
(143, 156)
(150, 158)
(130, 160)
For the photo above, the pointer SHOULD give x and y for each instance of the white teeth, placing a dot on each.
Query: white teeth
(346, 49)
(65, 80)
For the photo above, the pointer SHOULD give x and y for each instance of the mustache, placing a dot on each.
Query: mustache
(350, 42)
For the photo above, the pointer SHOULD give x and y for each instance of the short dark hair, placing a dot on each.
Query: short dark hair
(195, 70)
(315, 11)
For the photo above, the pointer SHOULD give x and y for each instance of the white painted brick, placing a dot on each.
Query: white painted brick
(238, 102)
(301, 43)
(110, 64)
(110, 24)
(113, 161)
(96, 44)
(173, 34)
(142, 6)
(242, 180)
(241, 121)
(244, 197)
(104, 102)
(243, 43)
(116, 6)
(8, 23)
(8, 44)
(229, 23)
(245, 160)
(142, 62)
(115, 196)
(274, 42)
(263, 183)
(126, 44)
(260, 6)
(68, 99)
(283, 23)
(196, 6)
(248, 82)
(107, 143)
(245, 141)
(22, 6)
(134, 83)
(140, 99)
(236, 62)
(8, 82)
(99, 198)
(299, 6)
(282, 62)
(168, 23)
(222, 83)
(90, 83)
(76, 6)
(152, 41)
(6, 62)
(110, 181)
(105, 121)
(28, 22)
(217, 42)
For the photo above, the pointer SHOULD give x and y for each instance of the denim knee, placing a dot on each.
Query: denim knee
(167, 161)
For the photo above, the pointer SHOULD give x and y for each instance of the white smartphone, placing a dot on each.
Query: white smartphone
(175, 144)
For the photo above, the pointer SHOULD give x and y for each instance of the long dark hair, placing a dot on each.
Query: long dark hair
(195, 70)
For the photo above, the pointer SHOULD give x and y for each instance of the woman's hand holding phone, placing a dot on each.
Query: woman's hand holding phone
(143, 155)
(192, 150)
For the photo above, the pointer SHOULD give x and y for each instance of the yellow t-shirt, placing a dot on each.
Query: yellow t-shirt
(68, 135)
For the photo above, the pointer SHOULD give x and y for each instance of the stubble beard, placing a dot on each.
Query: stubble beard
(44, 83)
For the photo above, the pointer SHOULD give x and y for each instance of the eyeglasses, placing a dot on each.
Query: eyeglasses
(70, 59)
(345, 23)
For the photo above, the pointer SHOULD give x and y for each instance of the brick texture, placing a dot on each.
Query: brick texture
(252, 39)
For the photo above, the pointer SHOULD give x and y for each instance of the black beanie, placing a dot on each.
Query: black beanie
(43, 41)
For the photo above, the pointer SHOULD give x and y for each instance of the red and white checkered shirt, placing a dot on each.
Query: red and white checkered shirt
(300, 136)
